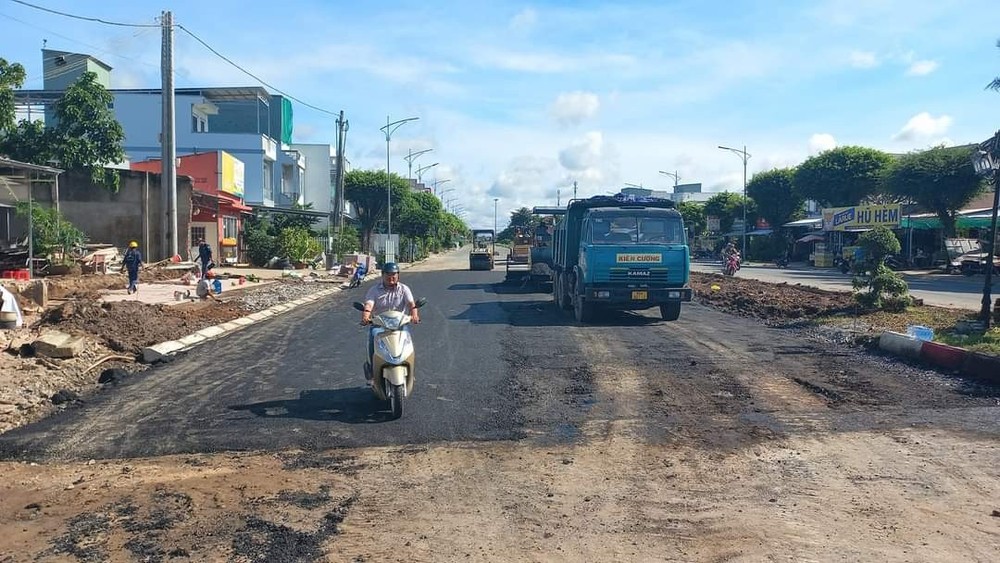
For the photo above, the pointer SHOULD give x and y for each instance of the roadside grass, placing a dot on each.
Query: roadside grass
(988, 343)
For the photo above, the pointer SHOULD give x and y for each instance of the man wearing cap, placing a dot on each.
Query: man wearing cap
(387, 295)
(132, 261)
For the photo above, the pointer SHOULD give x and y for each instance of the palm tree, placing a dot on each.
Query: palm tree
(995, 85)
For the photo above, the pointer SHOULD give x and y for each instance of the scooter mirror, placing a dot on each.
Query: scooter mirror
(359, 306)
(421, 302)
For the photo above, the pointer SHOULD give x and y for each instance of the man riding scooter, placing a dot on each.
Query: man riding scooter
(387, 295)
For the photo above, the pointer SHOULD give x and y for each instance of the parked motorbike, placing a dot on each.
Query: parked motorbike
(730, 265)
(391, 365)
(781, 261)
(358, 276)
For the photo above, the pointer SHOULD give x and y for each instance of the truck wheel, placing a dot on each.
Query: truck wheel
(583, 311)
(671, 311)
(560, 293)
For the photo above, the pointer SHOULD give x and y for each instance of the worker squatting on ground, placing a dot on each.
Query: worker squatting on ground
(132, 262)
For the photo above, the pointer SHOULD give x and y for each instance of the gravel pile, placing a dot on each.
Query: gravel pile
(275, 294)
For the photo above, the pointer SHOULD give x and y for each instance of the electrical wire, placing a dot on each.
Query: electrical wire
(193, 35)
(84, 18)
(250, 74)
(77, 41)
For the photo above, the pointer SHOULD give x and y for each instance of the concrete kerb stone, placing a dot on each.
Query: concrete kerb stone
(900, 345)
(984, 367)
(158, 352)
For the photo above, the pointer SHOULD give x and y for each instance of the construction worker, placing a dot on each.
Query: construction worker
(205, 257)
(132, 262)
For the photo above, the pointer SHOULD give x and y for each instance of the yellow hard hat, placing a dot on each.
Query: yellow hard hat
(133, 244)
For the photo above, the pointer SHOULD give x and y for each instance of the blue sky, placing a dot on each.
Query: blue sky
(519, 99)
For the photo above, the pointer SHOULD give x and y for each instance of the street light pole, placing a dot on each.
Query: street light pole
(389, 129)
(436, 183)
(420, 172)
(495, 200)
(674, 175)
(745, 156)
(410, 157)
(985, 160)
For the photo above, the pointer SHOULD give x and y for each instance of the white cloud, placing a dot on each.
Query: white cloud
(573, 107)
(863, 59)
(526, 173)
(524, 20)
(820, 142)
(923, 126)
(584, 153)
(922, 68)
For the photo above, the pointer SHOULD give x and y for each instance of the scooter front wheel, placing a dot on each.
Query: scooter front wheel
(396, 395)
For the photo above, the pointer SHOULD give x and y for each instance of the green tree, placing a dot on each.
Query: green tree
(12, 77)
(941, 180)
(522, 217)
(842, 176)
(875, 285)
(777, 199)
(694, 217)
(298, 244)
(51, 233)
(728, 207)
(86, 135)
(366, 190)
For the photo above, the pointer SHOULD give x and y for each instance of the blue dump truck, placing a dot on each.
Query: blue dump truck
(620, 252)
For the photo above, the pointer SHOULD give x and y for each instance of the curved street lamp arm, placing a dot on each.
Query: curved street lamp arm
(390, 128)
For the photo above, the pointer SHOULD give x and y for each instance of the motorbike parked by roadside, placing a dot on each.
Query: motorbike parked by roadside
(358, 276)
(390, 366)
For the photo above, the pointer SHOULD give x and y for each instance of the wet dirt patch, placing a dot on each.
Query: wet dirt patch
(342, 464)
(263, 540)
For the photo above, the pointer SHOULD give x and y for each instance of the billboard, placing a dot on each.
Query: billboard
(861, 217)
(231, 177)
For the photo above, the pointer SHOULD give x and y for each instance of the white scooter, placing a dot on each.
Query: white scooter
(391, 367)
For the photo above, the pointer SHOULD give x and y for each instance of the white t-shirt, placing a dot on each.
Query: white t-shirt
(385, 299)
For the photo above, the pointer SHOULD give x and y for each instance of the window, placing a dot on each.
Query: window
(268, 180)
(633, 230)
(228, 227)
(197, 235)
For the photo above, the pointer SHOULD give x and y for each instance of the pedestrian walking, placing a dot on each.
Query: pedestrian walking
(132, 262)
(205, 257)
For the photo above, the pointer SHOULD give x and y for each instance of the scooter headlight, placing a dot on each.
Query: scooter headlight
(391, 323)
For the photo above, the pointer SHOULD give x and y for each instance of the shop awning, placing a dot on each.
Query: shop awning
(759, 232)
(814, 222)
(812, 238)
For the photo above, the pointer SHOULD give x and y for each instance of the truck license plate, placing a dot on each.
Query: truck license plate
(639, 295)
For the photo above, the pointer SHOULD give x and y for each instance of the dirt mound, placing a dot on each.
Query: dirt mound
(129, 326)
(774, 303)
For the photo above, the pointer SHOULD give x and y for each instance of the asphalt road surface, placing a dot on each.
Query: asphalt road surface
(938, 289)
(296, 381)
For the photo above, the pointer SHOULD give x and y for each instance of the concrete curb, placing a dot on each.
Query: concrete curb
(969, 364)
(158, 352)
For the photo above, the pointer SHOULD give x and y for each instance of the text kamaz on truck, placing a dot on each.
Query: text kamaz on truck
(621, 253)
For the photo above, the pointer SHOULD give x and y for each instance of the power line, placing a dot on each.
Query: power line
(84, 18)
(250, 74)
(77, 41)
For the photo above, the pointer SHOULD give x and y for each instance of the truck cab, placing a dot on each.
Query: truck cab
(627, 255)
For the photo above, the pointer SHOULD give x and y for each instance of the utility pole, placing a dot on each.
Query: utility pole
(342, 128)
(168, 156)
(558, 195)
(574, 189)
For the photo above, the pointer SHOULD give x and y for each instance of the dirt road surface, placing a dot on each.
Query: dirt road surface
(714, 438)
